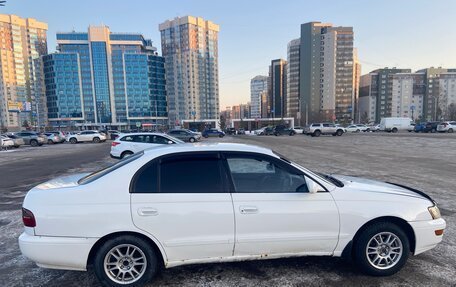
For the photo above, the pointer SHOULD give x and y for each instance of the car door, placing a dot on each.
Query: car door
(182, 200)
(275, 213)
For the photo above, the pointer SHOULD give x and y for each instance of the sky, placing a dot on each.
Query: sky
(389, 33)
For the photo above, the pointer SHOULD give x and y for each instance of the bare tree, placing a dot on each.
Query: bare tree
(451, 112)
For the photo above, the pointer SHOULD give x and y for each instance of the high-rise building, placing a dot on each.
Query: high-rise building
(431, 109)
(447, 99)
(190, 48)
(292, 94)
(366, 101)
(277, 88)
(356, 83)
(327, 73)
(258, 85)
(99, 78)
(407, 95)
(265, 107)
(380, 87)
(22, 41)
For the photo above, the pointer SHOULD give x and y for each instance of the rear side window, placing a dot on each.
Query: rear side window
(147, 179)
(191, 174)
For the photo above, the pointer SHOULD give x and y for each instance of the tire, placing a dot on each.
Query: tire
(50, 142)
(357, 131)
(450, 130)
(221, 136)
(394, 130)
(339, 133)
(433, 131)
(192, 140)
(33, 142)
(368, 130)
(73, 140)
(125, 154)
(317, 133)
(96, 139)
(142, 253)
(368, 240)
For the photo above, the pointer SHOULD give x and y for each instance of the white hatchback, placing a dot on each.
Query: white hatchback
(128, 144)
(202, 203)
(87, 136)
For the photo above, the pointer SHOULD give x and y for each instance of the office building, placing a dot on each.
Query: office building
(190, 47)
(292, 94)
(103, 79)
(327, 72)
(367, 102)
(277, 88)
(258, 85)
(22, 41)
(265, 108)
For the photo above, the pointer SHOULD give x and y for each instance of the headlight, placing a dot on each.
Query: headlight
(434, 211)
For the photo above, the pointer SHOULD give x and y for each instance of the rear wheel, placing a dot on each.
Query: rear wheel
(339, 133)
(221, 135)
(382, 249)
(96, 140)
(33, 142)
(394, 130)
(125, 261)
(73, 140)
(50, 142)
(450, 130)
(125, 154)
(317, 133)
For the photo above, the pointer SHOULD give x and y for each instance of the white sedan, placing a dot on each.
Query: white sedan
(128, 144)
(87, 136)
(202, 203)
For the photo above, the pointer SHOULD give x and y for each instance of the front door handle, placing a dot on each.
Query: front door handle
(147, 211)
(244, 209)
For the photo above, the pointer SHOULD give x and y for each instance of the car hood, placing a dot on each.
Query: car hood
(61, 182)
(369, 185)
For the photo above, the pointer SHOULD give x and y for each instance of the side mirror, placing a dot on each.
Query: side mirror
(312, 186)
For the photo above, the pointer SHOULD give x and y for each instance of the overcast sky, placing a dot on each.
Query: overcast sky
(389, 33)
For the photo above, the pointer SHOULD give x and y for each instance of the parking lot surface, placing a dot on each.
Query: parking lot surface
(422, 161)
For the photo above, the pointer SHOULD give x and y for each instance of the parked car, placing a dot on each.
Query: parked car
(185, 204)
(32, 138)
(61, 136)
(419, 127)
(298, 129)
(411, 128)
(241, 131)
(213, 133)
(87, 136)
(447, 127)
(430, 127)
(185, 135)
(230, 131)
(395, 124)
(52, 138)
(363, 127)
(17, 140)
(6, 142)
(283, 130)
(353, 129)
(341, 127)
(317, 129)
(264, 131)
(374, 127)
(128, 144)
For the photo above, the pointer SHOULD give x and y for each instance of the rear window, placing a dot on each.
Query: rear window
(104, 171)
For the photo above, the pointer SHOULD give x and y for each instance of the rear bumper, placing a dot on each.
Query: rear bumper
(68, 253)
(425, 234)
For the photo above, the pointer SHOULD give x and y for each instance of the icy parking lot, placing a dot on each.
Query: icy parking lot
(422, 161)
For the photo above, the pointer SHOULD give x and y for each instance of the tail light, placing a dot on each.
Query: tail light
(28, 218)
(115, 143)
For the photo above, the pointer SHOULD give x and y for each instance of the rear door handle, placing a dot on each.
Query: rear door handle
(147, 211)
(248, 209)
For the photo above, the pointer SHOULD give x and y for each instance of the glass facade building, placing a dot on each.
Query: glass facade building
(119, 80)
(22, 42)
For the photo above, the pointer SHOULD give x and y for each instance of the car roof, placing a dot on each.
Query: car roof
(201, 147)
(144, 133)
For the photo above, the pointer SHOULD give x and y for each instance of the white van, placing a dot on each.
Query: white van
(395, 124)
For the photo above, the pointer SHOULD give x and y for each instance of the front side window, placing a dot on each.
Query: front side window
(196, 173)
(158, 140)
(259, 174)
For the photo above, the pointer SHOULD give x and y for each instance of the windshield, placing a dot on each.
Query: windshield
(102, 172)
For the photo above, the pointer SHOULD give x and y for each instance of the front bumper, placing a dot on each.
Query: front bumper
(69, 253)
(425, 234)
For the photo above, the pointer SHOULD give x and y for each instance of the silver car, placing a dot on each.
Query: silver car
(185, 135)
(32, 138)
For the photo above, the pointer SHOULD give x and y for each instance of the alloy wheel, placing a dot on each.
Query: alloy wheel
(384, 250)
(125, 264)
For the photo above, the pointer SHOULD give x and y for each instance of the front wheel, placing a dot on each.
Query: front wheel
(450, 130)
(382, 249)
(317, 133)
(192, 140)
(339, 133)
(125, 261)
(96, 140)
(73, 140)
(34, 143)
